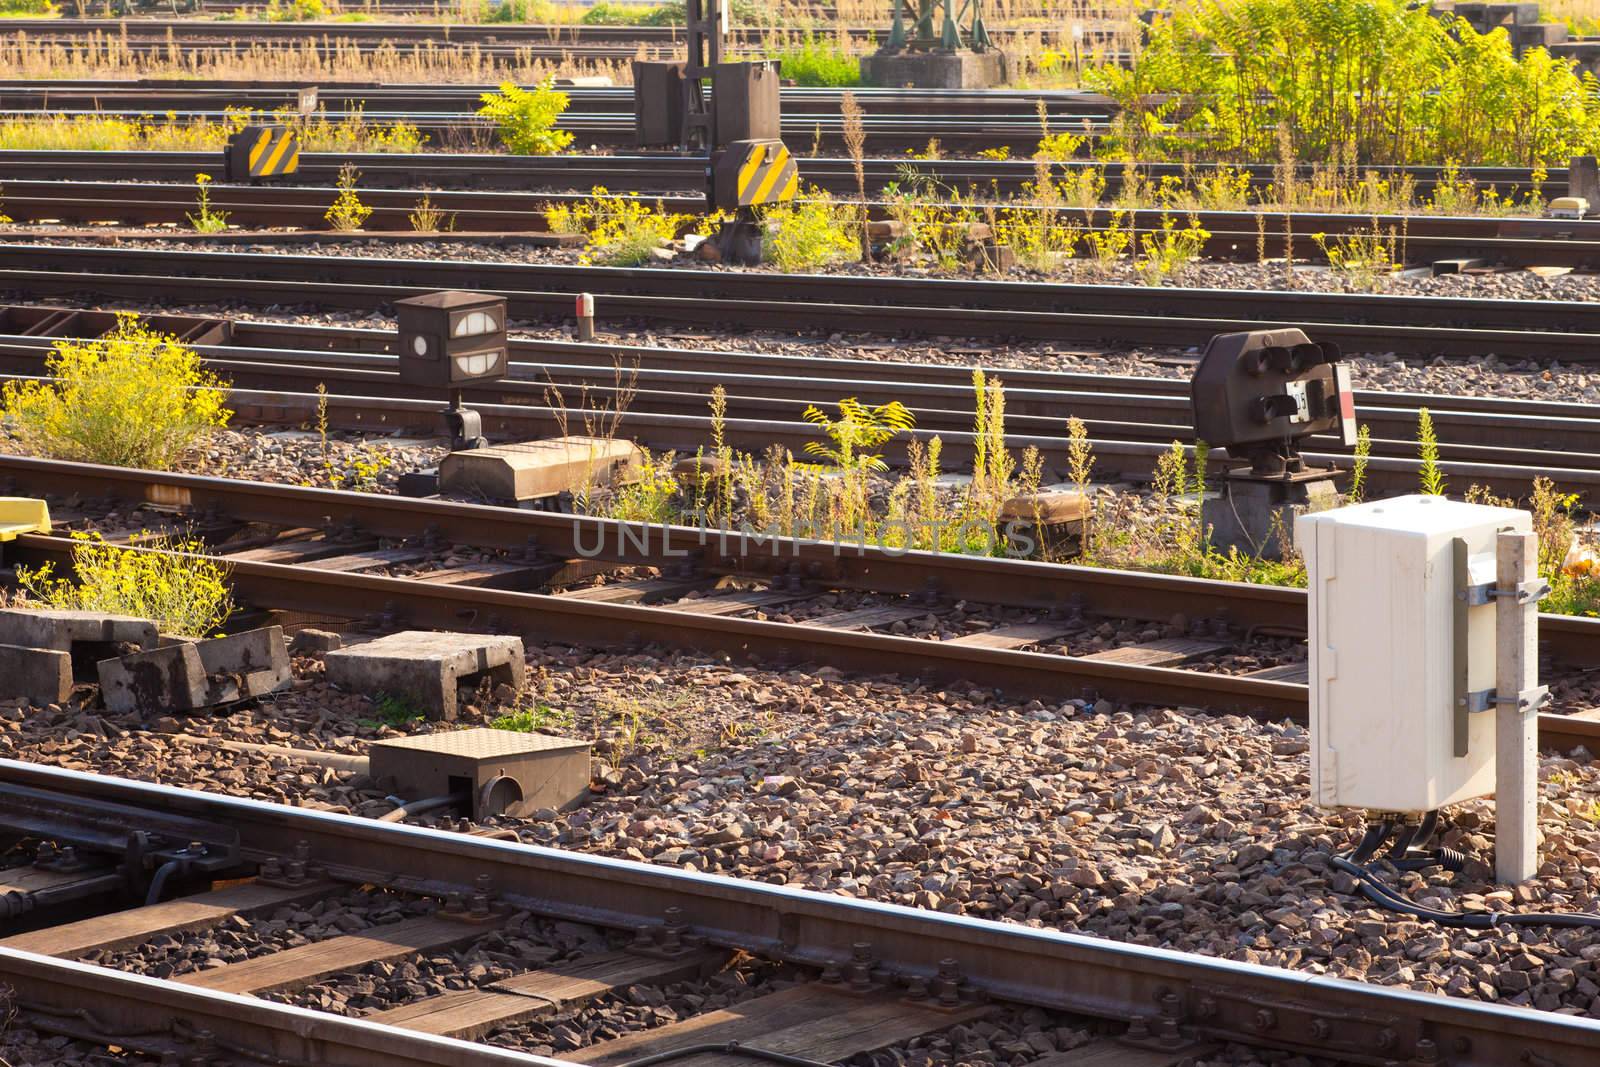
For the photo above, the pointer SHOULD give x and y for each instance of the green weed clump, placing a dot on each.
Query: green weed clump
(527, 120)
(133, 398)
(206, 219)
(171, 580)
(622, 230)
(1429, 474)
(347, 213)
(537, 717)
(26, 9)
(805, 236)
(1352, 81)
(295, 11)
(608, 14)
(819, 62)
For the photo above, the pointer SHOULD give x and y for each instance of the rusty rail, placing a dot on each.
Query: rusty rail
(1169, 993)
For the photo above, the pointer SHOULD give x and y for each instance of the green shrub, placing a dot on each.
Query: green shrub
(819, 61)
(295, 11)
(1352, 81)
(527, 119)
(604, 13)
(133, 398)
(522, 11)
(811, 234)
(171, 581)
(27, 8)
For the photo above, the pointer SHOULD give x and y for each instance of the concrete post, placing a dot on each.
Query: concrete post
(1583, 179)
(1516, 792)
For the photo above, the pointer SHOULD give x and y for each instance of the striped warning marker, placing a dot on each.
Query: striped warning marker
(262, 152)
(752, 173)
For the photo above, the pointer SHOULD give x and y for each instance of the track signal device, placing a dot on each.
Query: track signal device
(1259, 395)
(451, 340)
(736, 126)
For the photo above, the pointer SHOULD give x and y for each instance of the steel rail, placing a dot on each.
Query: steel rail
(1130, 455)
(1203, 997)
(571, 621)
(104, 1005)
(667, 410)
(1574, 642)
(1232, 234)
(664, 173)
(1562, 330)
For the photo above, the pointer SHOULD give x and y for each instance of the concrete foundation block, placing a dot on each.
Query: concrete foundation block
(1257, 514)
(245, 665)
(425, 667)
(156, 681)
(934, 70)
(309, 642)
(505, 772)
(1583, 179)
(38, 675)
(535, 469)
(60, 629)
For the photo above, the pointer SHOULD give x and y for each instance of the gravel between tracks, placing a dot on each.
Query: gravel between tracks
(1160, 828)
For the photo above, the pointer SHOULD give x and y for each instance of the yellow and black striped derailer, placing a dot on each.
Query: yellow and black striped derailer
(752, 174)
(258, 152)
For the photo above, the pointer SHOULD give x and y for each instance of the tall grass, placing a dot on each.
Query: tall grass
(1352, 81)
(823, 62)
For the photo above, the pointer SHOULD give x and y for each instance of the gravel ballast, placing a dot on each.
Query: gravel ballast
(1163, 827)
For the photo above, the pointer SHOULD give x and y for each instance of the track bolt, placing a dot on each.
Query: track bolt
(1320, 1029)
(643, 937)
(917, 989)
(831, 974)
(1265, 1019)
(1387, 1039)
(1205, 1008)
(861, 966)
(1427, 1051)
(480, 898)
(1138, 1030)
(45, 853)
(271, 868)
(947, 986)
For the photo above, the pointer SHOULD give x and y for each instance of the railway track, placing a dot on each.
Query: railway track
(718, 594)
(880, 305)
(1233, 235)
(872, 975)
(895, 119)
(647, 173)
(276, 370)
(203, 32)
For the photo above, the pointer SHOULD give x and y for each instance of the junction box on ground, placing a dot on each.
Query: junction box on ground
(505, 772)
(1402, 651)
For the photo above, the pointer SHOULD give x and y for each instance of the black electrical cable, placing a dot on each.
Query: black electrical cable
(1392, 899)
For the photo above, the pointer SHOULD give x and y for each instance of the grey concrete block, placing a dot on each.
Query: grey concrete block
(934, 70)
(309, 642)
(60, 630)
(158, 680)
(38, 675)
(425, 666)
(244, 665)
